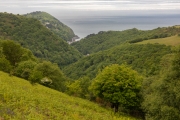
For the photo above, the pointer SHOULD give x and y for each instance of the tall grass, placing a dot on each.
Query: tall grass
(19, 100)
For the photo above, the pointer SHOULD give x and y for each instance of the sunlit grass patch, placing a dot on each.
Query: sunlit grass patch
(19, 100)
(173, 41)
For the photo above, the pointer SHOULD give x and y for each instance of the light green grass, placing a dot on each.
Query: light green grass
(173, 41)
(177, 26)
(19, 100)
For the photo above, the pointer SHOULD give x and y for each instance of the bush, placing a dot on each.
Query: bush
(52, 72)
(24, 69)
(5, 65)
(119, 85)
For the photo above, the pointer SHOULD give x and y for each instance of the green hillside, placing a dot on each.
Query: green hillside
(57, 27)
(173, 41)
(143, 58)
(31, 34)
(106, 40)
(19, 100)
(103, 40)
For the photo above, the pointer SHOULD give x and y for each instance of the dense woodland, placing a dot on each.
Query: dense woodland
(31, 34)
(143, 58)
(140, 80)
(22, 63)
(53, 24)
(105, 40)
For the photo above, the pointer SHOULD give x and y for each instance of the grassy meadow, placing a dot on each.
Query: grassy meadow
(19, 100)
(173, 41)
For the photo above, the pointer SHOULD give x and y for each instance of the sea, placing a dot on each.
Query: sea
(83, 26)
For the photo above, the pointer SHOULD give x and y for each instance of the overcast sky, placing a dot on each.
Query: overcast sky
(90, 7)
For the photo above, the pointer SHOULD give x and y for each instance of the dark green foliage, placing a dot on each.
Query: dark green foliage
(27, 55)
(21, 62)
(5, 65)
(143, 58)
(176, 64)
(53, 24)
(119, 85)
(30, 33)
(25, 68)
(161, 94)
(12, 51)
(105, 40)
(51, 72)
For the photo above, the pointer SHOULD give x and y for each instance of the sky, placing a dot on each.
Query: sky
(91, 7)
(73, 12)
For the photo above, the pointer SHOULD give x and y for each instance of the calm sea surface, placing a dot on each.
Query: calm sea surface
(83, 26)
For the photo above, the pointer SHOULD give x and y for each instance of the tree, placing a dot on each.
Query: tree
(4, 63)
(49, 71)
(176, 64)
(25, 68)
(119, 85)
(80, 87)
(162, 95)
(12, 51)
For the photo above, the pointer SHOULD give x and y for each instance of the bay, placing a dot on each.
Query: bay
(83, 26)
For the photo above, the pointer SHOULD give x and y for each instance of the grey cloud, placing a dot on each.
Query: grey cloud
(87, 5)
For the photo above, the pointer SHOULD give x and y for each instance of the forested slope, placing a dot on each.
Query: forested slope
(30, 33)
(143, 58)
(105, 40)
(53, 24)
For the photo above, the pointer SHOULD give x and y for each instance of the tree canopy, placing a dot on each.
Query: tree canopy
(107, 39)
(19, 61)
(53, 24)
(14, 53)
(119, 85)
(31, 34)
(161, 93)
(143, 58)
(50, 72)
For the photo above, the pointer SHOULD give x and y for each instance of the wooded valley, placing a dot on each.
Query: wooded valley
(114, 69)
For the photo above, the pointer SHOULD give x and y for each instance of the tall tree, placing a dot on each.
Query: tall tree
(25, 68)
(48, 74)
(12, 51)
(4, 63)
(119, 85)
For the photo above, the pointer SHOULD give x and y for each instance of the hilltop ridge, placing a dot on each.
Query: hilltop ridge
(107, 39)
(53, 24)
(31, 34)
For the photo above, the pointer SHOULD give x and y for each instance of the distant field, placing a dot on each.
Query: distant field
(173, 41)
(178, 26)
(19, 100)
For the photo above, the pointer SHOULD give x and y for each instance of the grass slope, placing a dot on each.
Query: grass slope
(173, 41)
(19, 100)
